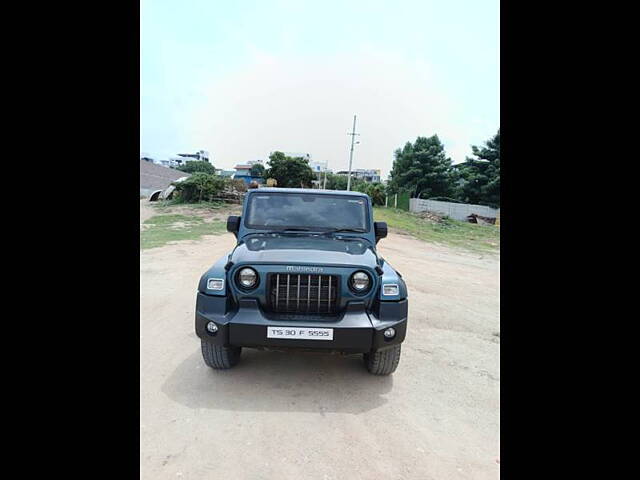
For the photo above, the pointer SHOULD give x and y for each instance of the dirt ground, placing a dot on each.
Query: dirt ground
(314, 416)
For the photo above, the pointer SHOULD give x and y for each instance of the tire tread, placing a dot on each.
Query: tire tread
(383, 362)
(219, 357)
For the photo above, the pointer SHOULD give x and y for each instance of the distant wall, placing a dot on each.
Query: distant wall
(457, 211)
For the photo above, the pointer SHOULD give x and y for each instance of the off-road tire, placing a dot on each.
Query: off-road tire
(219, 357)
(383, 362)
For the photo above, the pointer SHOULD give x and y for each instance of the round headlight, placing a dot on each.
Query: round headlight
(360, 282)
(247, 278)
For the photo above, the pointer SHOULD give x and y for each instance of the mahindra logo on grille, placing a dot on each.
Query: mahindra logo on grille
(294, 268)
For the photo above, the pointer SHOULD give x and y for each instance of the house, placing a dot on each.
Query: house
(243, 172)
(225, 173)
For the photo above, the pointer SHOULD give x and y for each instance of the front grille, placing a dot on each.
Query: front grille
(301, 293)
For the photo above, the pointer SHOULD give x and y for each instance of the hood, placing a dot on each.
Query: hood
(305, 249)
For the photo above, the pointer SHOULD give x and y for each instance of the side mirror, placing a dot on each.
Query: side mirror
(380, 229)
(233, 224)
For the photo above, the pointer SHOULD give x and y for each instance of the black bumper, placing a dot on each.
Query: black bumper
(354, 331)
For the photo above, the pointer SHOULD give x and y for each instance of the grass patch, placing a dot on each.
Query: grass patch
(467, 236)
(165, 204)
(162, 229)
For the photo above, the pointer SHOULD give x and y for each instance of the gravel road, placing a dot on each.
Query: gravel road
(314, 416)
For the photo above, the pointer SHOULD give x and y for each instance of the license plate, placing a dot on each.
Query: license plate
(300, 333)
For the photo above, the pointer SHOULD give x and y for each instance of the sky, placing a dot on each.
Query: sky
(243, 79)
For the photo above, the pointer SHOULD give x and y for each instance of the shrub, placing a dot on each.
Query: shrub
(377, 192)
(236, 184)
(199, 187)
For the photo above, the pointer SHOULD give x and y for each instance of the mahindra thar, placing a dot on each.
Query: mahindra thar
(305, 274)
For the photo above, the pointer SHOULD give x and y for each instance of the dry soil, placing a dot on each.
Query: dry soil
(314, 416)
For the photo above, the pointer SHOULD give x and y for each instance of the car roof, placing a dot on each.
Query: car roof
(306, 190)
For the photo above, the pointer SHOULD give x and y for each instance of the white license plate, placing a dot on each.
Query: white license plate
(301, 333)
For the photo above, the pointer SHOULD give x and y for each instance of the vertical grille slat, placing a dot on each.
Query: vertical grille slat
(288, 276)
(288, 295)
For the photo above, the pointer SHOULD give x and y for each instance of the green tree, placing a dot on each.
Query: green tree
(199, 187)
(258, 170)
(377, 192)
(335, 182)
(480, 176)
(289, 172)
(194, 166)
(423, 169)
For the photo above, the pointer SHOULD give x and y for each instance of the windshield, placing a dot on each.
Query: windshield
(306, 211)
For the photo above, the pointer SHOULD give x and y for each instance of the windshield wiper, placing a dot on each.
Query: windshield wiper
(340, 230)
(288, 230)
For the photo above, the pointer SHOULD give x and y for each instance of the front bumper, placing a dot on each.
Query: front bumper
(354, 331)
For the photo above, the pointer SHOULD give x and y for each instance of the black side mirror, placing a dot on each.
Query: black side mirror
(233, 224)
(380, 229)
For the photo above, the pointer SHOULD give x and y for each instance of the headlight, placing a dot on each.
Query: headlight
(360, 282)
(247, 278)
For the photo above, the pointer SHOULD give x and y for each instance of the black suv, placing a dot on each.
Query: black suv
(305, 274)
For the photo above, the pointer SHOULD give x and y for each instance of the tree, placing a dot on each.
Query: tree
(423, 169)
(289, 172)
(194, 166)
(335, 182)
(258, 170)
(481, 176)
(377, 192)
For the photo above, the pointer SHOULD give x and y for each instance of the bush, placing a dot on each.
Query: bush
(377, 191)
(199, 187)
(236, 184)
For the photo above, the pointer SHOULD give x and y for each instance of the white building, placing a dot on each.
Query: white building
(200, 155)
(370, 176)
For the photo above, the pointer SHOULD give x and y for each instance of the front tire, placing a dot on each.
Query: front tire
(383, 362)
(219, 357)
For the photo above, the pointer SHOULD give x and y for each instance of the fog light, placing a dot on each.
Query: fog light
(213, 328)
(390, 332)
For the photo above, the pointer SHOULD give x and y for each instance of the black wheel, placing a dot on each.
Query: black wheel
(383, 362)
(219, 357)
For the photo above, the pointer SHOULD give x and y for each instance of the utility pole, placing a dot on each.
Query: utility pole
(353, 137)
(326, 165)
